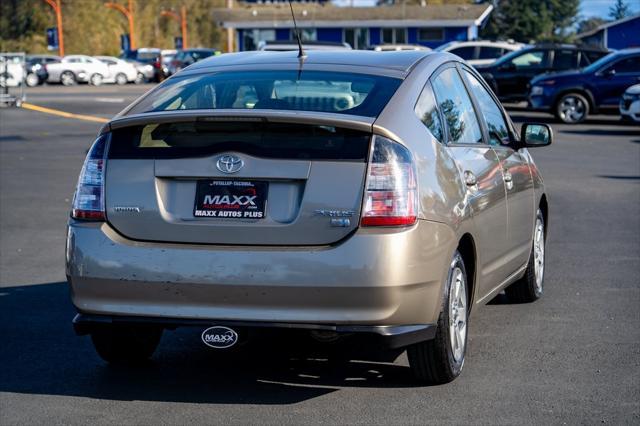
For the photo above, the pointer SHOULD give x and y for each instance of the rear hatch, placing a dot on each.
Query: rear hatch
(239, 180)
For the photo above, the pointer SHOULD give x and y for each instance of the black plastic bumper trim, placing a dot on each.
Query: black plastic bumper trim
(394, 336)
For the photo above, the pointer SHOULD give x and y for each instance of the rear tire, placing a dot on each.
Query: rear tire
(529, 288)
(126, 343)
(32, 80)
(440, 360)
(139, 78)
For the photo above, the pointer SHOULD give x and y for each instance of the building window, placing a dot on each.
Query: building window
(393, 35)
(356, 37)
(308, 34)
(430, 34)
(251, 38)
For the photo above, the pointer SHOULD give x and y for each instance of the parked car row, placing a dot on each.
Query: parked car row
(164, 63)
(135, 66)
(572, 95)
(567, 81)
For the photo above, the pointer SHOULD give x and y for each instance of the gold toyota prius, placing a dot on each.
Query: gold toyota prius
(375, 194)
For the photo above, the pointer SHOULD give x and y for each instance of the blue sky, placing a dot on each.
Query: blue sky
(588, 8)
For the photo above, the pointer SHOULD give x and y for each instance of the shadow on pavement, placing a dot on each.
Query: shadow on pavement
(40, 354)
(604, 132)
(550, 119)
(619, 177)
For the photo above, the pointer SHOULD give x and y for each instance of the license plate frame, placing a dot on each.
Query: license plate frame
(231, 199)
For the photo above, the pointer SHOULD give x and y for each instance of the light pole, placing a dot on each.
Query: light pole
(55, 4)
(182, 19)
(128, 13)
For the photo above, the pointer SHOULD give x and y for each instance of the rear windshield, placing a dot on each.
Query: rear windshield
(336, 92)
(258, 138)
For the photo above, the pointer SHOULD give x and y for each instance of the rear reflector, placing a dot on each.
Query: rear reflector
(88, 201)
(391, 194)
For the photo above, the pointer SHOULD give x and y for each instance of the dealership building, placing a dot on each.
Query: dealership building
(361, 27)
(619, 34)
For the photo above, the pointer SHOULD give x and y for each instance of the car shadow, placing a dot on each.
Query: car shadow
(549, 119)
(604, 132)
(40, 354)
(619, 177)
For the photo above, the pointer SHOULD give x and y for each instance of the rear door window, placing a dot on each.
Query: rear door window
(465, 52)
(456, 107)
(490, 52)
(565, 59)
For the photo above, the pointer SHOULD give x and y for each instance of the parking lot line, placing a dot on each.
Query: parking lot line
(63, 113)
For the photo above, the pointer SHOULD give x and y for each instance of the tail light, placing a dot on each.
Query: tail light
(391, 197)
(88, 201)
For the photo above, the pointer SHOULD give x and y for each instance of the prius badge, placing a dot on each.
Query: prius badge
(229, 163)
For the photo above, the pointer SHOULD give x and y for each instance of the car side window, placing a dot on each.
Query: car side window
(428, 113)
(584, 60)
(626, 66)
(529, 60)
(465, 52)
(456, 107)
(496, 125)
(565, 59)
(490, 52)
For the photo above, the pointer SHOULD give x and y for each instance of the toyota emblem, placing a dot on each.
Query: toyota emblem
(229, 163)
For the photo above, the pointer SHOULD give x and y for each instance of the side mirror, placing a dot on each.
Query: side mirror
(533, 135)
(610, 73)
(509, 66)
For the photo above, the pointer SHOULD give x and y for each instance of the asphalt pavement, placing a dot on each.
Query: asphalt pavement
(572, 357)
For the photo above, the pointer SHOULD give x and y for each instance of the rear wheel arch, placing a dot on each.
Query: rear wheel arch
(544, 208)
(467, 249)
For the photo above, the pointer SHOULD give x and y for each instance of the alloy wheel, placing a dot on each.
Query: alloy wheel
(67, 79)
(538, 255)
(457, 313)
(572, 109)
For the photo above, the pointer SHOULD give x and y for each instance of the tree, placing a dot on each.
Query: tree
(619, 10)
(589, 24)
(91, 28)
(532, 20)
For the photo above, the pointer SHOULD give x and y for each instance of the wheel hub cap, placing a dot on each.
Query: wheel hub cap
(572, 109)
(457, 313)
(538, 255)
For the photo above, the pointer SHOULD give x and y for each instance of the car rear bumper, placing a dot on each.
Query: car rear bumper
(380, 277)
(397, 336)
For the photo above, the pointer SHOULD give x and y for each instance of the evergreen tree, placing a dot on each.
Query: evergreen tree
(532, 20)
(589, 24)
(619, 10)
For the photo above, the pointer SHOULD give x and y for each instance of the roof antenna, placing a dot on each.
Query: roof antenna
(301, 54)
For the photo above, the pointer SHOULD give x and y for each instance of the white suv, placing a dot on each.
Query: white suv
(480, 52)
(77, 68)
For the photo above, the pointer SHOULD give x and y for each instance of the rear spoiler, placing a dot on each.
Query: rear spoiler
(354, 122)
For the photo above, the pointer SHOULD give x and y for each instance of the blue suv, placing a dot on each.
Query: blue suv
(572, 95)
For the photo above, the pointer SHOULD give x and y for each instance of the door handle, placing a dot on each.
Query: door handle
(470, 179)
(508, 177)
